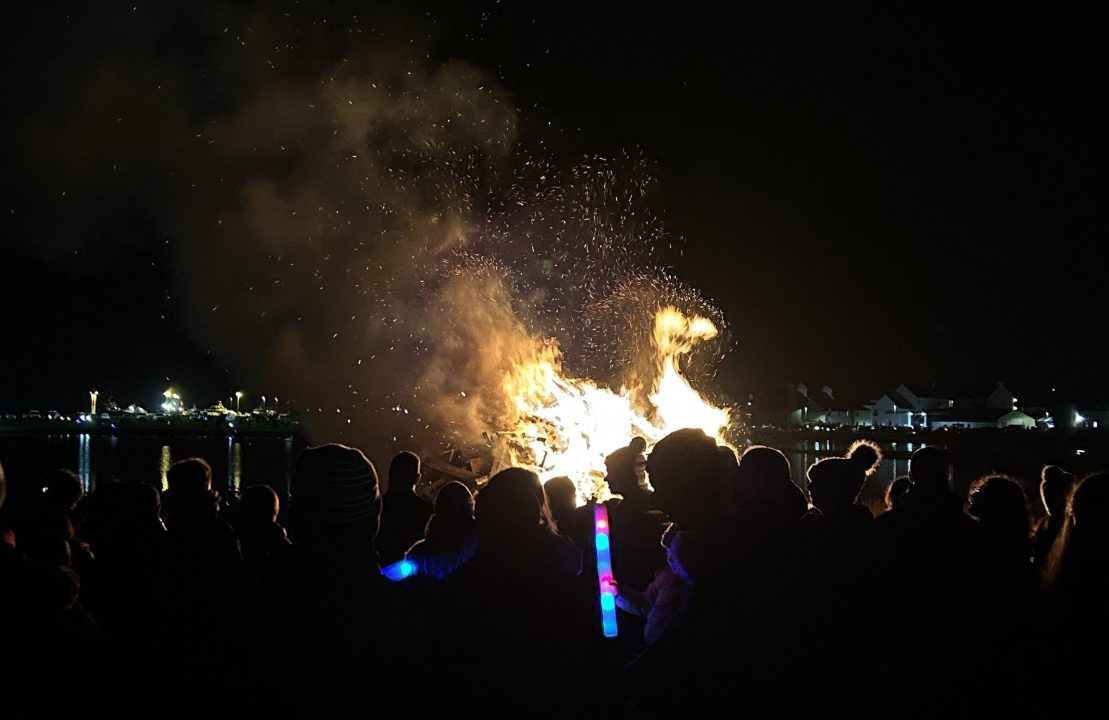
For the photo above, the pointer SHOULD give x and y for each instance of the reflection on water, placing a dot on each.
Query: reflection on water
(88, 477)
(873, 494)
(237, 461)
(234, 464)
(164, 461)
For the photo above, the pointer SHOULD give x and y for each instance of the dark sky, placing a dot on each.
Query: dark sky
(869, 198)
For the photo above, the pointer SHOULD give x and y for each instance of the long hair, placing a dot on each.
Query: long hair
(1081, 542)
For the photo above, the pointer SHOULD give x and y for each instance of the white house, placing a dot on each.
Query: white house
(1016, 418)
(892, 410)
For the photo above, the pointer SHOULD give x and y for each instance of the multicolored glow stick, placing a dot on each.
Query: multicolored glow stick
(399, 570)
(604, 570)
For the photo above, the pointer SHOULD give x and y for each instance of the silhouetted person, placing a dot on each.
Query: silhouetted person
(451, 537)
(896, 491)
(1008, 584)
(125, 592)
(839, 538)
(202, 566)
(515, 610)
(835, 483)
(684, 469)
(930, 557)
(44, 628)
(738, 641)
(329, 620)
(1001, 508)
(48, 529)
(562, 500)
(764, 488)
(637, 528)
(1073, 579)
(664, 601)
(1055, 487)
(47, 632)
(102, 508)
(260, 535)
(626, 468)
(404, 514)
(63, 489)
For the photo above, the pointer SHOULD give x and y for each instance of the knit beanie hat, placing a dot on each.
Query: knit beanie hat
(835, 483)
(334, 484)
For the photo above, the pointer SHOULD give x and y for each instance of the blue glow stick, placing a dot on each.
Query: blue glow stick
(399, 570)
(604, 570)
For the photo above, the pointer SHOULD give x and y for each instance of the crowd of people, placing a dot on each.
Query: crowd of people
(738, 591)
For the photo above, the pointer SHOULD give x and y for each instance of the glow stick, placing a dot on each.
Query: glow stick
(604, 570)
(399, 570)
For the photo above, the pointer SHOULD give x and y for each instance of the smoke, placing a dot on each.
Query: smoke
(352, 227)
(325, 266)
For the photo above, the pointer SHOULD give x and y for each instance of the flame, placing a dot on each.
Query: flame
(566, 426)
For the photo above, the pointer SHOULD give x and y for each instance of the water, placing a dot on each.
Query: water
(239, 462)
(236, 462)
(895, 462)
(970, 460)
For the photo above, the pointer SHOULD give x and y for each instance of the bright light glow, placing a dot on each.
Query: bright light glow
(173, 404)
(604, 572)
(165, 459)
(399, 570)
(566, 426)
(1079, 419)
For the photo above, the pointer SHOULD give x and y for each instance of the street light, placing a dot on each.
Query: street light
(238, 397)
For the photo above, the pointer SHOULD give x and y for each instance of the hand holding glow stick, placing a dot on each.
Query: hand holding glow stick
(399, 570)
(604, 570)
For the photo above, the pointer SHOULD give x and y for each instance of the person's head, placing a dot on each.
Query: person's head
(1055, 486)
(62, 488)
(508, 509)
(639, 447)
(335, 499)
(684, 468)
(1000, 505)
(1088, 510)
(259, 505)
(896, 491)
(763, 484)
(929, 472)
(761, 467)
(140, 500)
(622, 467)
(454, 501)
(835, 483)
(190, 476)
(561, 495)
(404, 471)
(1077, 558)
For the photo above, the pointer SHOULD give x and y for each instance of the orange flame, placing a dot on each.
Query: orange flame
(566, 426)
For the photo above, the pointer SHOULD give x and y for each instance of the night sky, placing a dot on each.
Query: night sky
(867, 198)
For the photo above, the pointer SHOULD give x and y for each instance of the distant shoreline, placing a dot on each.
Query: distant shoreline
(165, 427)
